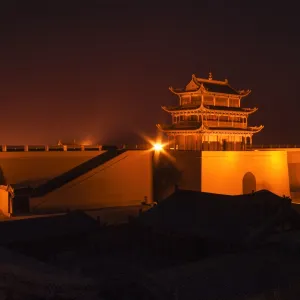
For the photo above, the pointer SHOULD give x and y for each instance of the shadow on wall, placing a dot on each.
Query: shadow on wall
(58, 181)
(2, 177)
(294, 177)
(249, 183)
(165, 177)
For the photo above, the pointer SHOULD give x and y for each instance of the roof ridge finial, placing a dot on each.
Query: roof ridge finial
(210, 76)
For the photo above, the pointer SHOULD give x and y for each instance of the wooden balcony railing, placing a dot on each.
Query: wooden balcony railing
(272, 146)
(225, 124)
(182, 125)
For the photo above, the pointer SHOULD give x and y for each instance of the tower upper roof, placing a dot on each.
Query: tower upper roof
(210, 86)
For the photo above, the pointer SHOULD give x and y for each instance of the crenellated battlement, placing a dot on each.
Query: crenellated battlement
(43, 148)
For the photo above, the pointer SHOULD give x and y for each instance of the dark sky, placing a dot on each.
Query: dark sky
(101, 69)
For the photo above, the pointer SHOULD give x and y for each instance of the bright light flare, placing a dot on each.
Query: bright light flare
(158, 147)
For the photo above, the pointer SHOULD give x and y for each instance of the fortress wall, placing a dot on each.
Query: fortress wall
(189, 166)
(124, 180)
(176, 167)
(224, 172)
(4, 203)
(293, 156)
(23, 168)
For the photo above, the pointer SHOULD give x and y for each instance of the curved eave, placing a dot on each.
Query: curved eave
(205, 129)
(205, 91)
(230, 112)
(194, 78)
(183, 91)
(178, 131)
(192, 109)
(244, 93)
(249, 130)
(256, 129)
(203, 109)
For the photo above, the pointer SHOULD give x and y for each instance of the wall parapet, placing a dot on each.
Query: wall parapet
(36, 148)
(272, 146)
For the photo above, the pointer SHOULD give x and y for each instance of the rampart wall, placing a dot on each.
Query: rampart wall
(293, 156)
(181, 168)
(239, 172)
(130, 177)
(34, 168)
(122, 181)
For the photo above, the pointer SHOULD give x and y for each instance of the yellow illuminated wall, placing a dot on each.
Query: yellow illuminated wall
(294, 172)
(127, 179)
(4, 203)
(230, 172)
(122, 181)
(34, 168)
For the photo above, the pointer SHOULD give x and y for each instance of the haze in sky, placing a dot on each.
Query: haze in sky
(100, 70)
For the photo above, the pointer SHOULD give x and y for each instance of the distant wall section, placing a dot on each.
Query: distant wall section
(238, 172)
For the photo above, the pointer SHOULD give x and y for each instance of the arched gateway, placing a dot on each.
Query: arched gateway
(249, 183)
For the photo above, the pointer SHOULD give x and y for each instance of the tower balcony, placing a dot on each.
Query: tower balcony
(228, 124)
(182, 125)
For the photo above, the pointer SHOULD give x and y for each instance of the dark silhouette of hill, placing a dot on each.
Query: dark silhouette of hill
(22, 277)
(247, 275)
(47, 226)
(218, 217)
(74, 173)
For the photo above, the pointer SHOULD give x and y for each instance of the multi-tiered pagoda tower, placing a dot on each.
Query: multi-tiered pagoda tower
(209, 117)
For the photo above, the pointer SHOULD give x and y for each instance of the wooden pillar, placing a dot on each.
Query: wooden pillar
(208, 143)
(234, 143)
(201, 143)
(174, 142)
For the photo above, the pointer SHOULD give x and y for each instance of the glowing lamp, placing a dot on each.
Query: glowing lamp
(158, 147)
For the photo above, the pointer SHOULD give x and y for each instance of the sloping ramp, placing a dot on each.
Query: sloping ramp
(61, 180)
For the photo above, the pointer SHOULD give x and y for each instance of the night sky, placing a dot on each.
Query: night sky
(100, 70)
